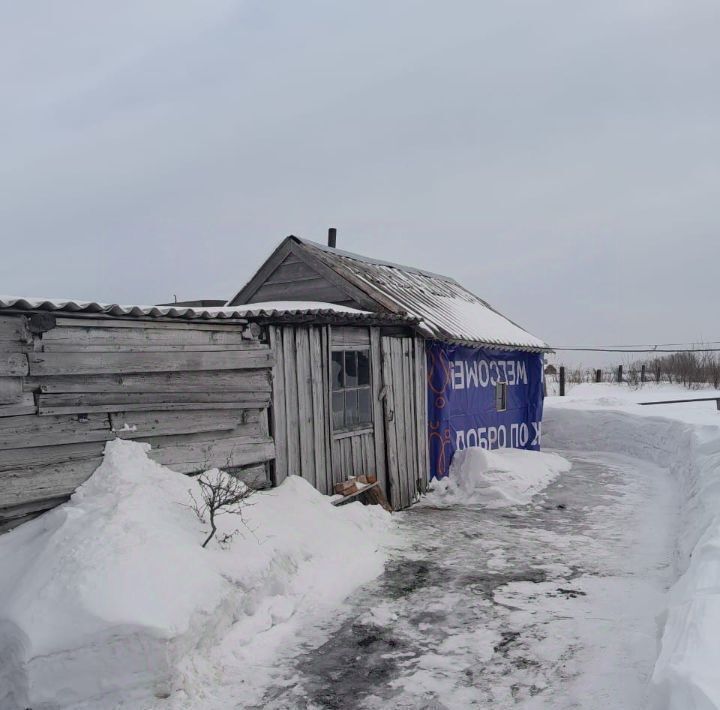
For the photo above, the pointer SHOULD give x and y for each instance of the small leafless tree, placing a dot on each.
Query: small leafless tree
(220, 493)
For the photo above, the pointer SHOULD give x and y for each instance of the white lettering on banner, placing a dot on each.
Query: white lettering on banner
(521, 372)
(497, 437)
(537, 426)
(492, 437)
(458, 375)
(466, 374)
(502, 436)
(471, 438)
(484, 373)
(471, 373)
(501, 366)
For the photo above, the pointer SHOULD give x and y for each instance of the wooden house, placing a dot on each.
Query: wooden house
(194, 383)
(402, 397)
(325, 365)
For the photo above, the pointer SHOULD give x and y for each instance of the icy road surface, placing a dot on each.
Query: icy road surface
(548, 605)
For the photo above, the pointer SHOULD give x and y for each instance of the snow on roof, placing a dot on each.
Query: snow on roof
(268, 309)
(446, 310)
(295, 307)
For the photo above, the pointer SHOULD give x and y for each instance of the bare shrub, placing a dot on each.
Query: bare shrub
(220, 493)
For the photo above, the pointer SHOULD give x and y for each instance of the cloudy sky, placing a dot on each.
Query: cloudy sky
(560, 158)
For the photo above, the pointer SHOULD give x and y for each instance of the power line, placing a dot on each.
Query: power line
(631, 350)
(682, 345)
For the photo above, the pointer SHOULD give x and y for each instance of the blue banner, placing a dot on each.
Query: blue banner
(484, 398)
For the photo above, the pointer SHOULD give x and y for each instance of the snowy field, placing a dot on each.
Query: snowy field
(583, 577)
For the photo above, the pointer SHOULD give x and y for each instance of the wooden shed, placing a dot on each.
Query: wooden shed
(392, 417)
(325, 365)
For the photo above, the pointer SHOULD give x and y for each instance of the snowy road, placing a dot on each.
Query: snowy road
(550, 605)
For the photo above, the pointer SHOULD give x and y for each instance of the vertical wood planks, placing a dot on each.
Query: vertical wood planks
(378, 409)
(325, 366)
(305, 406)
(291, 401)
(319, 412)
(279, 426)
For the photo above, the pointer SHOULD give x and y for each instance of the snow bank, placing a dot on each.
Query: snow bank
(102, 597)
(686, 439)
(496, 478)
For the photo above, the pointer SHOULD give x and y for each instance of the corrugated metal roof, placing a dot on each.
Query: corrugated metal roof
(445, 309)
(286, 311)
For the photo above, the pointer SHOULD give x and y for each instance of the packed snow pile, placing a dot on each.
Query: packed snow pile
(101, 598)
(496, 478)
(686, 439)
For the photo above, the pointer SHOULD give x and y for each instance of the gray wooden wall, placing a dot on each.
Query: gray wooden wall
(393, 446)
(198, 392)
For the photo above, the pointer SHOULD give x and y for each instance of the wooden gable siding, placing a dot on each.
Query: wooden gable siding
(294, 280)
(199, 393)
(300, 412)
(291, 272)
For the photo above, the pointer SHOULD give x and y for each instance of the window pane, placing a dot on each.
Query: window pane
(351, 407)
(338, 409)
(364, 367)
(351, 378)
(501, 396)
(364, 406)
(336, 370)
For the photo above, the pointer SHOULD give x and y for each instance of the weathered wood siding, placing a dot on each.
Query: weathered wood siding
(293, 279)
(300, 417)
(198, 392)
(404, 382)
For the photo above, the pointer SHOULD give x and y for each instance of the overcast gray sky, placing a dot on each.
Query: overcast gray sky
(560, 158)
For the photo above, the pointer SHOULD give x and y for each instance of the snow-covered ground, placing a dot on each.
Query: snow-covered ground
(527, 581)
(684, 439)
(110, 600)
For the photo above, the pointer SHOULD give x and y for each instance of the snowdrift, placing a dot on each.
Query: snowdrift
(686, 672)
(496, 478)
(101, 598)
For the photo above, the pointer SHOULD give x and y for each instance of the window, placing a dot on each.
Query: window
(351, 401)
(501, 396)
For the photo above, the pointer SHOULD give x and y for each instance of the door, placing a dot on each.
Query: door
(404, 399)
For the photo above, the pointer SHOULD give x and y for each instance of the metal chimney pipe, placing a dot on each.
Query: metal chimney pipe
(332, 237)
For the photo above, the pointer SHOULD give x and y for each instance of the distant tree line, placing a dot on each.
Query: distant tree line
(691, 369)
